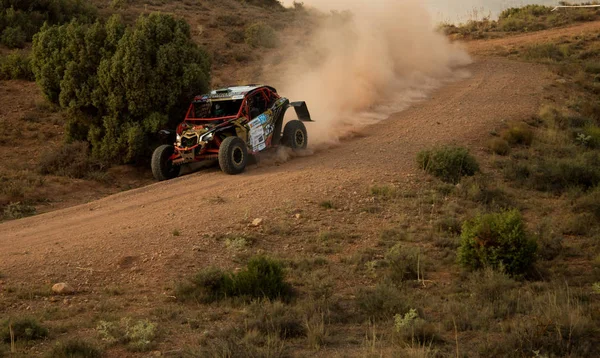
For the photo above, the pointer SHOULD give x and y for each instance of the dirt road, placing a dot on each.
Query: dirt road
(129, 237)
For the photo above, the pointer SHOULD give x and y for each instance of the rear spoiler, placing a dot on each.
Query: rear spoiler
(301, 111)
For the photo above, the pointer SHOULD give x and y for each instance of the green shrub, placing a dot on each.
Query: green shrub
(261, 35)
(592, 136)
(449, 163)
(236, 36)
(412, 328)
(70, 160)
(580, 224)
(498, 241)
(592, 67)
(20, 20)
(18, 210)
(558, 175)
(81, 67)
(384, 191)
(75, 348)
(262, 278)
(24, 329)
(275, 317)
(525, 11)
(13, 37)
(382, 302)
(137, 335)
(272, 4)
(404, 263)
(499, 146)
(16, 66)
(589, 203)
(543, 51)
(479, 189)
(518, 133)
(119, 4)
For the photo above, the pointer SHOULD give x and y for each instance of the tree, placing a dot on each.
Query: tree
(120, 84)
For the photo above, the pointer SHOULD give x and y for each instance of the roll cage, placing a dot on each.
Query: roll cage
(259, 99)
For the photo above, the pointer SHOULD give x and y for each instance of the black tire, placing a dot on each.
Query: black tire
(162, 167)
(294, 135)
(233, 155)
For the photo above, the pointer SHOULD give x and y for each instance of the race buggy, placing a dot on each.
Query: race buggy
(229, 125)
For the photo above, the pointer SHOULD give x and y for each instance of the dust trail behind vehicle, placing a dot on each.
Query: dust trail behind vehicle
(367, 60)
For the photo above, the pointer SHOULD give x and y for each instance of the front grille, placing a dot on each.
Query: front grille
(189, 142)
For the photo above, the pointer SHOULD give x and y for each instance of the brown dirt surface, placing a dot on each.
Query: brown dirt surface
(143, 240)
(138, 223)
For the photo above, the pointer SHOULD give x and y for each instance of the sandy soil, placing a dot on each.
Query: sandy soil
(128, 237)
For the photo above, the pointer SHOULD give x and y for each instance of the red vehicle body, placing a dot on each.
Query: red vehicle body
(228, 125)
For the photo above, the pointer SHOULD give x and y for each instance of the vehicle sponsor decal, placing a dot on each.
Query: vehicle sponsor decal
(257, 138)
(269, 129)
(263, 118)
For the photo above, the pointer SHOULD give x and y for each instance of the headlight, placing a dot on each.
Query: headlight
(178, 139)
(207, 137)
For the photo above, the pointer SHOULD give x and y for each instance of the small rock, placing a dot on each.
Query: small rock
(63, 289)
(256, 222)
(298, 216)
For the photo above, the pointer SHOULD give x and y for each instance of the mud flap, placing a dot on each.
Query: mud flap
(301, 111)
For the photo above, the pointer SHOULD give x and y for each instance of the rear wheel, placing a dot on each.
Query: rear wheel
(233, 155)
(162, 165)
(294, 135)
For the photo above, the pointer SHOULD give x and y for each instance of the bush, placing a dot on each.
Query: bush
(518, 134)
(591, 137)
(558, 175)
(382, 302)
(499, 146)
(138, 335)
(589, 203)
(18, 210)
(412, 328)
(24, 329)
(264, 3)
(262, 278)
(404, 263)
(70, 160)
(16, 66)
(498, 241)
(75, 349)
(236, 36)
(20, 20)
(479, 189)
(449, 164)
(276, 318)
(261, 35)
(543, 51)
(81, 67)
(13, 37)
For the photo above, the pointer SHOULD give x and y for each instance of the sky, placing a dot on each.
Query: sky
(449, 10)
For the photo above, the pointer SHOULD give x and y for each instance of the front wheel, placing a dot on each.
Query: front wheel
(294, 135)
(162, 165)
(233, 155)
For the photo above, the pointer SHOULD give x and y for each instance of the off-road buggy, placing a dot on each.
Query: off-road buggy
(230, 125)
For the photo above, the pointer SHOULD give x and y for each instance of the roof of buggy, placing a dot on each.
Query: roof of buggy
(230, 93)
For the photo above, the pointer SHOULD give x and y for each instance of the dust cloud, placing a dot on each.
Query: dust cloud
(367, 60)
